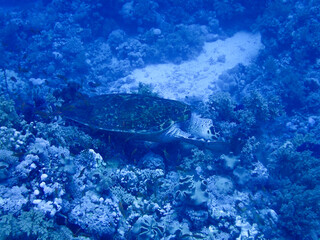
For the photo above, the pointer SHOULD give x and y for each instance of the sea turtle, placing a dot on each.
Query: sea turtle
(143, 117)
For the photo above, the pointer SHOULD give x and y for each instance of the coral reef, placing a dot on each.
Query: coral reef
(61, 180)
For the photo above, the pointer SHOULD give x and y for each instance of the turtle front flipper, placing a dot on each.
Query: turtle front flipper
(176, 133)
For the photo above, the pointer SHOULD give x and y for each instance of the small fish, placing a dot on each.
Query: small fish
(3, 166)
(166, 154)
(81, 172)
(23, 69)
(134, 151)
(64, 78)
(56, 192)
(18, 154)
(121, 208)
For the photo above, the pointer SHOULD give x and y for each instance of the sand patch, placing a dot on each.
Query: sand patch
(198, 77)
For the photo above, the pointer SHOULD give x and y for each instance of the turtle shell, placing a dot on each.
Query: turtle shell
(127, 113)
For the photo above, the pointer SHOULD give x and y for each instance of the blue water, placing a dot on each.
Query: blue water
(65, 178)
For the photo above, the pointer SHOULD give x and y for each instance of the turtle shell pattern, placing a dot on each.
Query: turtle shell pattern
(128, 113)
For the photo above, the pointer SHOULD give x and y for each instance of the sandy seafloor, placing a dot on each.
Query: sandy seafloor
(199, 77)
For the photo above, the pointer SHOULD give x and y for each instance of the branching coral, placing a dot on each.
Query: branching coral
(8, 115)
(104, 215)
(191, 192)
(30, 225)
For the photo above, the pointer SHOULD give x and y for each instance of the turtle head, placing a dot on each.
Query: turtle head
(203, 128)
(207, 130)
